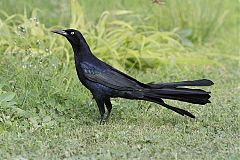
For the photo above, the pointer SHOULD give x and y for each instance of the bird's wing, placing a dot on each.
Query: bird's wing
(109, 77)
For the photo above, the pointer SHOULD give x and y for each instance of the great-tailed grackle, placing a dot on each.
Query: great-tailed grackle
(106, 82)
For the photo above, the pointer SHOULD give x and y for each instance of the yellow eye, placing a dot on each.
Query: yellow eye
(72, 33)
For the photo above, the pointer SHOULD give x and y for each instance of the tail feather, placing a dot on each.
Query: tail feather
(185, 91)
(201, 82)
(157, 92)
(193, 100)
(175, 109)
(178, 110)
(195, 96)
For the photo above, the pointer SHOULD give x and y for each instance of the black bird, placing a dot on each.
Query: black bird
(106, 82)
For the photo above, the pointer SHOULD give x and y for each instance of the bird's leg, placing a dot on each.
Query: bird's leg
(100, 104)
(109, 107)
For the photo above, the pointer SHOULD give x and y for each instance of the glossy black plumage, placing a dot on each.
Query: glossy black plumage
(106, 82)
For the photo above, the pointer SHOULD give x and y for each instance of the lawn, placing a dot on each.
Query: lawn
(45, 113)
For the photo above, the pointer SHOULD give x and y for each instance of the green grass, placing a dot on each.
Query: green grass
(45, 113)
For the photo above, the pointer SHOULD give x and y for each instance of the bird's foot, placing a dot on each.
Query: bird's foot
(108, 115)
(102, 121)
(104, 118)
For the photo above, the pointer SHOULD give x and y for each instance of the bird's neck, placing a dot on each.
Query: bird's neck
(82, 52)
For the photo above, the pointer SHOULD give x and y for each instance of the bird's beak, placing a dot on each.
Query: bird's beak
(61, 32)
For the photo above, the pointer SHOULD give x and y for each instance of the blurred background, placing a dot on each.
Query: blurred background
(137, 33)
(153, 40)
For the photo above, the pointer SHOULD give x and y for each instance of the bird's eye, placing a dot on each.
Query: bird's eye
(72, 33)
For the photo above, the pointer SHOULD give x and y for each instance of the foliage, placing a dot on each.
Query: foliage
(123, 43)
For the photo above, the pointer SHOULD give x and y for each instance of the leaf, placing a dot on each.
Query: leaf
(122, 24)
(1, 85)
(19, 111)
(186, 42)
(46, 119)
(185, 32)
(34, 121)
(122, 12)
(6, 97)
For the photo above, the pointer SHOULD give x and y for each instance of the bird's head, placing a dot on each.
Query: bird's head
(73, 36)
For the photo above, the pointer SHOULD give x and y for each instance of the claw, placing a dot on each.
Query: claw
(102, 122)
(108, 115)
(104, 118)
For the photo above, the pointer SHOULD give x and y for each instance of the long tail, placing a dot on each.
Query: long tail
(171, 91)
(200, 82)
